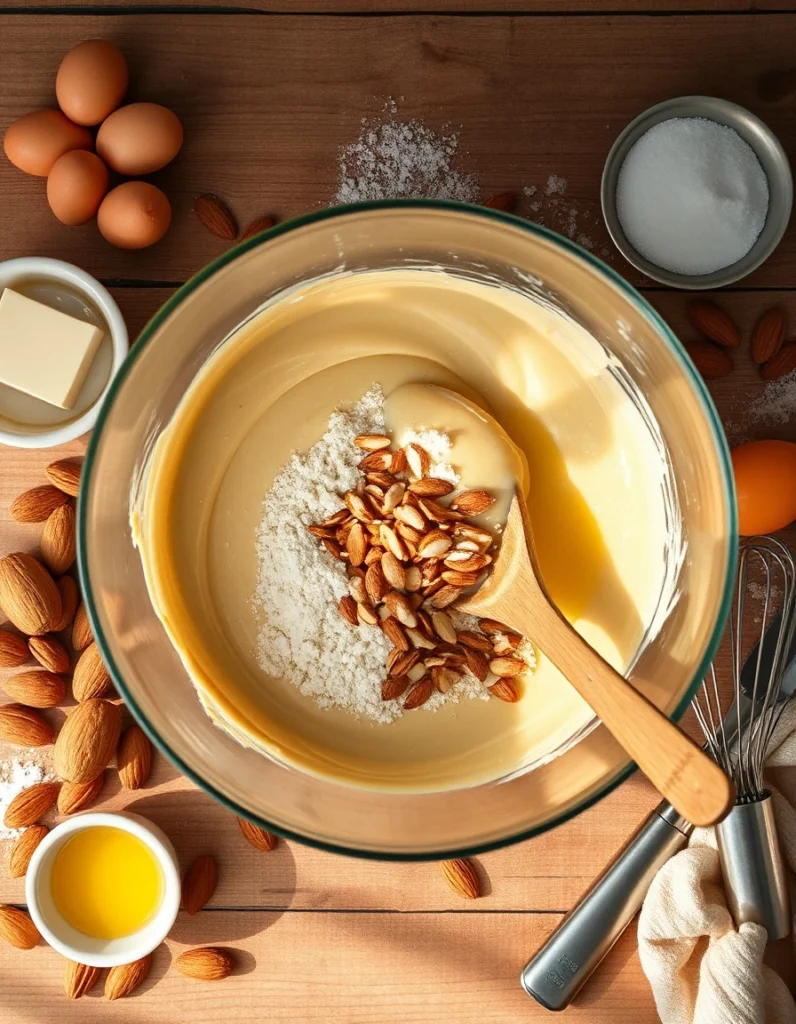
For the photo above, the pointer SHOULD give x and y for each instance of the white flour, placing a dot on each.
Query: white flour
(776, 404)
(303, 637)
(16, 775)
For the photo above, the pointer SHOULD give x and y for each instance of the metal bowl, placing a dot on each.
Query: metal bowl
(769, 152)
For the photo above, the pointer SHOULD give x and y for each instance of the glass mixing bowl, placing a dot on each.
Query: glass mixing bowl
(488, 246)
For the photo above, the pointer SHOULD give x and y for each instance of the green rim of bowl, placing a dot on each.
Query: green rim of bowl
(342, 211)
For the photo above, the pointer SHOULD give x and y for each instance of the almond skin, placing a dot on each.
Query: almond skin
(50, 654)
(714, 323)
(36, 689)
(784, 362)
(87, 740)
(75, 796)
(506, 690)
(23, 848)
(257, 837)
(17, 928)
(28, 594)
(769, 334)
(65, 475)
(121, 981)
(58, 540)
(461, 877)
(70, 598)
(256, 226)
(24, 726)
(134, 758)
(711, 361)
(37, 504)
(81, 630)
(31, 804)
(199, 884)
(79, 979)
(90, 678)
(206, 963)
(216, 216)
(472, 503)
(13, 649)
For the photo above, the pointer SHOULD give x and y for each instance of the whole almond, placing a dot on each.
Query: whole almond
(79, 979)
(81, 630)
(477, 662)
(216, 216)
(36, 689)
(714, 323)
(769, 334)
(75, 796)
(23, 848)
(431, 487)
(783, 363)
(65, 475)
(51, 654)
(257, 837)
(709, 359)
(506, 201)
(29, 806)
(87, 740)
(199, 884)
(419, 694)
(472, 503)
(348, 609)
(37, 504)
(17, 928)
(461, 877)
(90, 678)
(24, 726)
(258, 225)
(372, 442)
(206, 963)
(507, 667)
(134, 758)
(70, 597)
(28, 594)
(121, 981)
(506, 690)
(13, 649)
(58, 540)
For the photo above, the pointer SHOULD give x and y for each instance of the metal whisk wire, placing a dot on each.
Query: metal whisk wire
(740, 748)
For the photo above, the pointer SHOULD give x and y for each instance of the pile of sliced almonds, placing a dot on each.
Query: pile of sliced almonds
(409, 556)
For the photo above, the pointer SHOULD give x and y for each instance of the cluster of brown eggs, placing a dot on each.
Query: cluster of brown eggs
(132, 140)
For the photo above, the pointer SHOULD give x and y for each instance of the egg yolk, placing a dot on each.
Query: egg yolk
(765, 483)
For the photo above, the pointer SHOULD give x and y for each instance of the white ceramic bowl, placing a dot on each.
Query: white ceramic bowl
(76, 945)
(40, 268)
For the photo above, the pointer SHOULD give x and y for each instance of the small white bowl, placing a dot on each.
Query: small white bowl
(76, 945)
(18, 432)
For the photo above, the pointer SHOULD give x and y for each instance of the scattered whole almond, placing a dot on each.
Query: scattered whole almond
(257, 226)
(17, 928)
(205, 963)
(58, 543)
(69, 601)
(257, 837)
(90, 678)
(50, 654)
(121, 981)
(36, 689)
(769, 334)
(76, 796)
(461, 877)
(711, 361)
(87, 740)
(781, 364)
(31, 804)
(23, 849)
(24, 726)
(81, 630)
(134, 758)
(199, 884)
(13, 649)
(28, 594)
(714, 323)
(65, 475)
(79, 979)
(216, 216)
(37, 504)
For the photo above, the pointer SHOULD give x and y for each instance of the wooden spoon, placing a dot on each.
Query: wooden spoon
(514, 594)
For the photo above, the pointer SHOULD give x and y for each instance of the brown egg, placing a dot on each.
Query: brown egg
(91, 81)
(134, 215)
(34, 142)
(139, 138)
(76, 186)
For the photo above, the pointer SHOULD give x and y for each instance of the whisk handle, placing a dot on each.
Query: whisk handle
(556, 972)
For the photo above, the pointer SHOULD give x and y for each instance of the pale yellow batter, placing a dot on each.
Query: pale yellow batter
(596, 498)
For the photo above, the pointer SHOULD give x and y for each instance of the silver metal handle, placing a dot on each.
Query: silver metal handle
(554, 975)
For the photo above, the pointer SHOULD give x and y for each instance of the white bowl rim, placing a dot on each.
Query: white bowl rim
(160, 845)
(68, 273)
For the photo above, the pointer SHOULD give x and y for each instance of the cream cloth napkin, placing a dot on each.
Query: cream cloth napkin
(702, 969)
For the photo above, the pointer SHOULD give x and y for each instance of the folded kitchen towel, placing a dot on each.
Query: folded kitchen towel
(702, 969)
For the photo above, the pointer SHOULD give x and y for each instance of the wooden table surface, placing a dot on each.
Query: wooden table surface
(269, 95)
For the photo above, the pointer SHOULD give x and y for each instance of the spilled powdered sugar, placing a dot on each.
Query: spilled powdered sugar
(15, 775)
(303, 637)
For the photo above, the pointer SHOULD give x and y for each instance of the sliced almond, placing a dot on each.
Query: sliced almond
(384, 480)
(392, 542)
(435, 544)
(404, 662)
(336, 519)
(444, 678)
(438, 513)
(376, 462)
(392, 498)
(431, 487)
(357, 507)
(400, 608)
(348, 609)
(367, 615)
(356, 544)
(394, 632)
(445, 596)
(443, 626)
(333, 548)
(342, 531)
(321, 532)
(476, 641)
(506, 643)
(420, 640)
(410, 516)
(491, 626)
(466, 531)
(433, 587)
(398, 461)
(472, 503)
(419, 694)
(393, 687)
(460, 579)
(477, 662)
(374, 555)
(413, 579)
(375, 582)
(372, 442)
(393, 571)
(418, 460)
(507, 667)
(416, 672)
(431, 570)
(506, 689)
(426, 625)
(356, 588)
(471, 562)
(375, 492)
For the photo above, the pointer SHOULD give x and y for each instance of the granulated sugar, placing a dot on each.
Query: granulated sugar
(303, 637)
(395, 159)
(15, 775)
(776, 404)
(691, 196)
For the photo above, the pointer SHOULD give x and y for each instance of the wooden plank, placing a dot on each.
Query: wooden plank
(465, 7)
(364, 968)
(266, 118)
